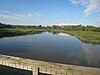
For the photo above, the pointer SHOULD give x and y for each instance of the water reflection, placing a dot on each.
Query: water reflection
(92, 54)
(63, 34)
(59, 47)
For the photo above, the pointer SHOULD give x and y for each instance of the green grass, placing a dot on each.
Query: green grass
(16, 32)
(80, 73)
(85, 36)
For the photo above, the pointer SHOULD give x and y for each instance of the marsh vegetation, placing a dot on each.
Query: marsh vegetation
(89, 34)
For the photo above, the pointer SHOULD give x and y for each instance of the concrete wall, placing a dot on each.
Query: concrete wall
(46, 67)
(35, 70)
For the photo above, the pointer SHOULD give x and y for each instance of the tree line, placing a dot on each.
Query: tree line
(17, 26)
(78, 28)
(69, 28)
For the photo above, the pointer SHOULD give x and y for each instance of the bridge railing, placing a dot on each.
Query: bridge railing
(46, 67)
(35, 70)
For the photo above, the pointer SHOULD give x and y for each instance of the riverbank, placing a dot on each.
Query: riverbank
(85, 36)
(7, 32)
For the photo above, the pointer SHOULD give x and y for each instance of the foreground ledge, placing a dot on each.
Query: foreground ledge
(47, 67)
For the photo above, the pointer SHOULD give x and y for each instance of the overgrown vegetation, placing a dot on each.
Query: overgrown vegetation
(68, 28)
(6, 32)
(87, 33)
(87, 36)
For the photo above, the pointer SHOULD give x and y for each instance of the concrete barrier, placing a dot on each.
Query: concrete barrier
(36, 69)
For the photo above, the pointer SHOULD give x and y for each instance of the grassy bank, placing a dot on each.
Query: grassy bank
(85, 36)
(6, 32)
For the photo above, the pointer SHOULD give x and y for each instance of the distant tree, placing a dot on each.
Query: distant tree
(82, 28)
(90, 28)
(54, 26)
(97, 29)
(40, 26)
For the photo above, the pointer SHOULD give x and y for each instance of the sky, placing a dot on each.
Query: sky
(50, 12)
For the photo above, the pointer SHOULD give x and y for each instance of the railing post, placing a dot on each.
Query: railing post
(35, 71)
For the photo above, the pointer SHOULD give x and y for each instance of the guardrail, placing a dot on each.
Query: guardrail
(46, 67)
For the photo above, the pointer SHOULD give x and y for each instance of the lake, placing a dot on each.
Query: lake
(47, 46)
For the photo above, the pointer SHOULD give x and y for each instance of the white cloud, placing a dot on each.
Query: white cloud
(82, 2)
(91, 6)
(29, 14)
(23, 16)
(94, 6)
(19, 15)
(63, 24)
(37, 14)
(74, 1)
(1, 11)
(16, 15)
(8, 16)
(10, 19)
(15, 18)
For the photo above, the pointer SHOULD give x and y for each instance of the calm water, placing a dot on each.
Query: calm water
(61, 48)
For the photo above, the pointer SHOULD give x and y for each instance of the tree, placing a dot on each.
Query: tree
(82, 28)
(40, 26)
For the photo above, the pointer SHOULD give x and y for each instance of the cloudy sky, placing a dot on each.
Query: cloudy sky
(48, 12)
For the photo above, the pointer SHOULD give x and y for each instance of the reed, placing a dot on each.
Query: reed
(85, 36)
(6, 32)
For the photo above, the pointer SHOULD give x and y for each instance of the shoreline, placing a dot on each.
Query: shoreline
(84, 36)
